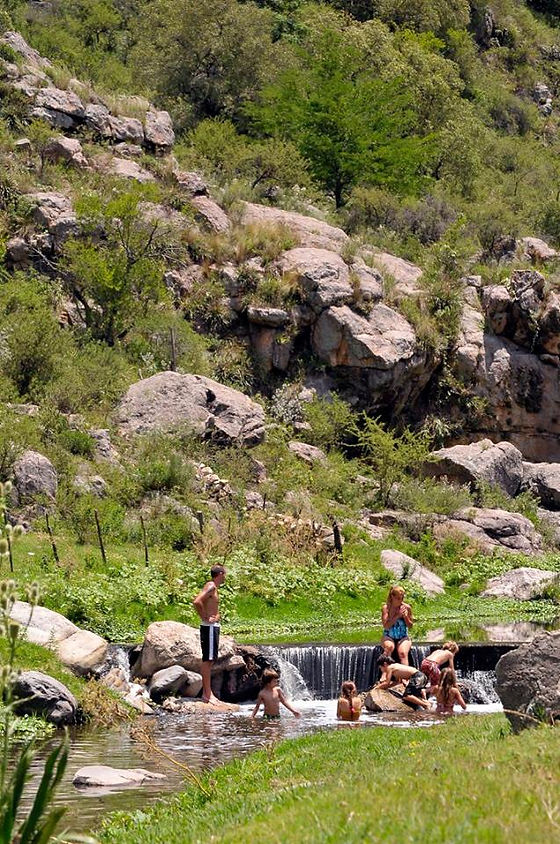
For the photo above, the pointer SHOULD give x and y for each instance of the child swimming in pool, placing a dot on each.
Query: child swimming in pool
(349, 706)
(271, 696)
(448, 694)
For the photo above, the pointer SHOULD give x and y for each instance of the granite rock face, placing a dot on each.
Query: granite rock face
(401, 565)
(522, 584)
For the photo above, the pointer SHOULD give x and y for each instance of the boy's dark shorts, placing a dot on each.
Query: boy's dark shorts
(416, 683)
(209, 641)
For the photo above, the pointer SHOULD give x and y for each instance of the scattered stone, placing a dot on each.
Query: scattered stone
(23, 145)
(169, 401)
(40, 625)
(210, 213)
(308, 453)
(536, 250)
(527, 681)
(66, 149)
(136, 698)
(82, 651)
(523, 584)
(498, 464)
(54, 212)
(39, 694)
(191, 183)
(104, 449)
(403, 566)
(104, 776)
(127, 169)
(169, 681)
(86, 484)
(34, 475)
(158, 129)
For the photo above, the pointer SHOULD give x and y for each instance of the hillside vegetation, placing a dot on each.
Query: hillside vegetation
(422, 131)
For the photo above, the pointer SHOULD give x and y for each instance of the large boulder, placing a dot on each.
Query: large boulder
(209, 213)
(522, 584)
(54, 212)
(169, 401)
(513, 309)
(308, 230)
(385, 700)
(492, 529)
(543, 479)
(127, 169)
(401, 566)
(527, 681)
(34, 475)
(104, 776)
(170, 643)
(41, 625)
(536, 250)
(499, 464)
(323, 276)
(406, 276)
(82, 652)
(38, 694)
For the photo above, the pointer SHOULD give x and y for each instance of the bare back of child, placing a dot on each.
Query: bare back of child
(349, 706)
(432, 665)
(448, 693)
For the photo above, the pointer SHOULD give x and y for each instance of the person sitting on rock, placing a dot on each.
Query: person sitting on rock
(271, 696)
(396, 617)
(349, 706)
(448, 694)
(415, 681)
(431, 666)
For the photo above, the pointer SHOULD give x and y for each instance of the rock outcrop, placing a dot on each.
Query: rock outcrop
(65, 109)
(169, 401)
(307, 230)
(527, 681)
(522, 584)
(492, 529)
(38, 694)
(498, 464)
(401, 566)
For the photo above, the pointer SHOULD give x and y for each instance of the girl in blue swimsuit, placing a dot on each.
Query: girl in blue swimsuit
(396, 617)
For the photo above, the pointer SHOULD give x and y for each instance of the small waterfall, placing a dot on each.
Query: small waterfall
(117, 658)
(292, 682)
(318, 671)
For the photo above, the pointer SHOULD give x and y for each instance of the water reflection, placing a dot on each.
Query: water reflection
(200, 741)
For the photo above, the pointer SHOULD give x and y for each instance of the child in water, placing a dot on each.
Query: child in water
(271, 696)
(349, 706)
(448, 694)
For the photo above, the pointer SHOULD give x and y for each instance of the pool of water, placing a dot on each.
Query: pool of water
(201, 741)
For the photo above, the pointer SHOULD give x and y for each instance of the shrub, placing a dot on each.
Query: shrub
(430, 496)
(265, 241)
(331, 421)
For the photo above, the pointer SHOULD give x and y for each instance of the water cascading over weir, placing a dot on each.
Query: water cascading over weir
(317, 671)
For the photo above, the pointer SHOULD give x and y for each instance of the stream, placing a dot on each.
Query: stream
(310, 677)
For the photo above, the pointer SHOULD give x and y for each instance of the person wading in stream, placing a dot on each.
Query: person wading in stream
(206, 604)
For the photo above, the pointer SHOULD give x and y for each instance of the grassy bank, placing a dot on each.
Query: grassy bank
(267, 598)
(465, 781)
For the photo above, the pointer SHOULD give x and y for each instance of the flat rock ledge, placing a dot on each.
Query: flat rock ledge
(384, 700)
(188, 706)
(104, 776)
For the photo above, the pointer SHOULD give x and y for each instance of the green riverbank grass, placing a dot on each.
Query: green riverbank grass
(465, 781)
(272, 600)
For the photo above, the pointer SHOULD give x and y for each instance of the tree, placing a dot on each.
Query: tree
(113, 279)
(210, 56)
(390, 455)
(347, 125)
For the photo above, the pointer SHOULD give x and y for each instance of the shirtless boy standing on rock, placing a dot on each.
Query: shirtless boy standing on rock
(206, 604)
